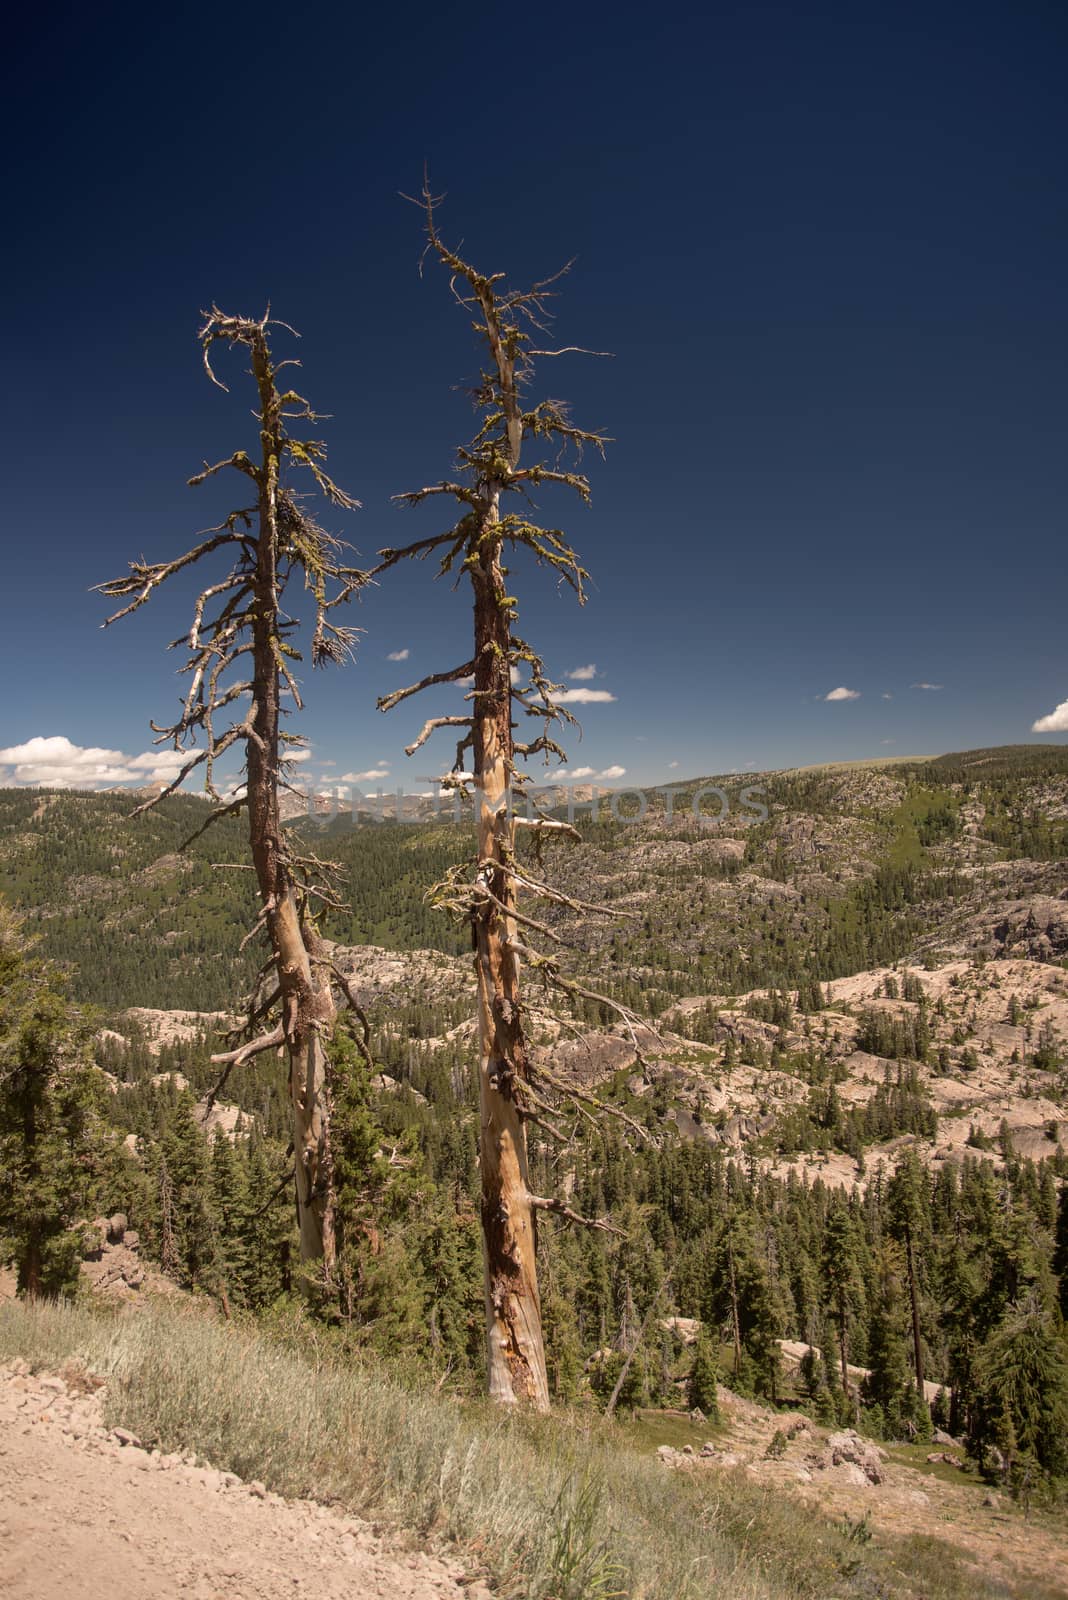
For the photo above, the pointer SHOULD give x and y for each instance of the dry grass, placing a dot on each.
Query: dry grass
(549, 1509)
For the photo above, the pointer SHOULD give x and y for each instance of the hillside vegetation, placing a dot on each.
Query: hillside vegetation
(851, 870)
(557, 1507)
(837, 1165)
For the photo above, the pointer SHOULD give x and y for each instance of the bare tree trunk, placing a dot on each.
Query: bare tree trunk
(735, 1325)
(28, 1283)
(515, 1351)
(269, 543)
(31, 1263)
(508, 1093)
(917, 1341)
(168, 1254)
(308, 1009)
(613, 1399)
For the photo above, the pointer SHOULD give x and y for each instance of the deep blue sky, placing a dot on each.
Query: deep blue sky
(829, 251)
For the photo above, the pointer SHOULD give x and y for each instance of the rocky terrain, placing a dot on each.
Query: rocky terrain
(921, 1491)
(734, 1086)
(985, 1077)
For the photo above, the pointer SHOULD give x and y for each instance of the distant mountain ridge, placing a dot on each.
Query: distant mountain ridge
(854, 866)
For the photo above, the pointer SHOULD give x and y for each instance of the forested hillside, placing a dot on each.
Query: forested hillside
(842, 1127)
(854, 867)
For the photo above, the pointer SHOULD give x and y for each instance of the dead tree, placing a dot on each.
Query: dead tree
(491, 480)
(240, 659)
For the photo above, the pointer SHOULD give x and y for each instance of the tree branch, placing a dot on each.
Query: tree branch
(431, 726)
(558, 1209)
(387, 702)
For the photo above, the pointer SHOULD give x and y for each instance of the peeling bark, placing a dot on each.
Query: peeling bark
(509, 1096)
(515, 1350)
(235, 618)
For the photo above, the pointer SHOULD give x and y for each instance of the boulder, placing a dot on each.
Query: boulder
(685, 1328)
(849, 1449)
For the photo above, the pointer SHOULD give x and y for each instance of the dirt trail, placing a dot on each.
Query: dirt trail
(84, 1515)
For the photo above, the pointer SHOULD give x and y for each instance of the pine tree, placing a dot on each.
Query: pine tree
(374, 1286)
(1022, 1383)
(190, 1234)
(52, 1141)
(888, 1382)
(908, 1218)
(448, 1252)
(764, 1318)
(559, 1274)
(1060, 1255)
(269, 1235)
(229, 1202)
(843, 1279)
(703, 1378)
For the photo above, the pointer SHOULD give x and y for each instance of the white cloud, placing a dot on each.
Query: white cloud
(55, 762)
(297, 755)
(398, 655)
(372, 775)
(672, 765)
(584, 697)
(1056, 722)
(590, 772)
(583, 674)
(158, 761)
(842, 693)
(887, 695)
(887, 741)
(927, 686)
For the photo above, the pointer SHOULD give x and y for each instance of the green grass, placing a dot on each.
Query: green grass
(560, 1508)
(915, 1456)
(646, 1431)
